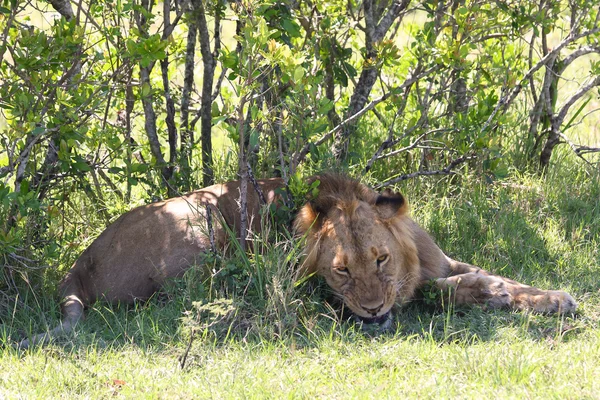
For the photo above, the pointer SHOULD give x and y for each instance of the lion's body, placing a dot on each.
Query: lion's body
(364, 245)
(133, 257)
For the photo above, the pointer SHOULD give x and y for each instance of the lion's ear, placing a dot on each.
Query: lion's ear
(306, 219)
(390, 204)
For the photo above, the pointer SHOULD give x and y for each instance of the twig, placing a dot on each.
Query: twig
(187, 350)
(111, 184)
(506, 100)
(389, 142)
(414, 144)
(211, 231)
(259, 191)
(445, 171)
(578, 149)
(25, 153)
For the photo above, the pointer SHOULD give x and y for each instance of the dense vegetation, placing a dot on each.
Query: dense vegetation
(483, 113)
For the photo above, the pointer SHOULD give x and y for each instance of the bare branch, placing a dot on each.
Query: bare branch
(375, 31)
(530, 61)
(64, 8)
(184, 357)
(506, 100)
(24, 155)
(446, 171)
(414, 144)
(389, 142)
(9, 23)
(259, 192)
(150, 120)
(170, 109)
(211, 231)
(388, 19)
(579, 150)
(581, 51)
(111, 184)
(148, 107)
(578, 95)
(209, 61)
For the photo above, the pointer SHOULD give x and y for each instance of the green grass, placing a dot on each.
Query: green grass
(359, 368)
(256, 335)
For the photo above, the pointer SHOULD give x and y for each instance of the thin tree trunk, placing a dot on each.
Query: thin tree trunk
(459, 101)
(332, 115)
(130, 142)
(150, 125)
(169, 103)
(377, 23)
(209, 61)
(559, 118)
(243, 171)
(148, 107)
(170, 121)
(187, 133)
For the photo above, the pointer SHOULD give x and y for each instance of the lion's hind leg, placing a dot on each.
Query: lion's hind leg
(72, 310)
(480, 287)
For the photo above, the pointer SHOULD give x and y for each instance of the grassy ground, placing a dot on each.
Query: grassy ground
(258, 336)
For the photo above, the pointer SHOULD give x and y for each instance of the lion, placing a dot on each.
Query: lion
(363, 243)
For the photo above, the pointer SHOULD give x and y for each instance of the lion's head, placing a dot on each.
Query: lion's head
(361, 243)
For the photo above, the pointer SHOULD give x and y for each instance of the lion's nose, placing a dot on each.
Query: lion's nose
(372, 311)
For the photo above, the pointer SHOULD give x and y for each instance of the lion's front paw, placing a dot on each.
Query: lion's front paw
(475, 288)
(554, 301)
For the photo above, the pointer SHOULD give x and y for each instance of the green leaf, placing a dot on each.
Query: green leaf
(38, 130)
(229, 59)
(501, 171)
(81, 166)
(63, 150)
(218, 120)
(146, 89)
(253, 140)
(214, 109)
(314, 151)
(351, 70)
(4, 10)
(298, 73)
(113, 142)
(24, 186)
(585, 103)
(138, 167)
(291, 28)
(320, 128)
(325, 105)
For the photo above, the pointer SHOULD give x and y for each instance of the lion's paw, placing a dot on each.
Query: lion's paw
(554, 301)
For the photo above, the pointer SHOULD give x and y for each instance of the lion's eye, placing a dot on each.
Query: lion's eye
(342, 269)
(382, 259)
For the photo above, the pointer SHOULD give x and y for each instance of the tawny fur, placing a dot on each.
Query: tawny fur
(363, 243)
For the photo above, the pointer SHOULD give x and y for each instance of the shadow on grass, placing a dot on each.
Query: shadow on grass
(160, 326)
(474, 324)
